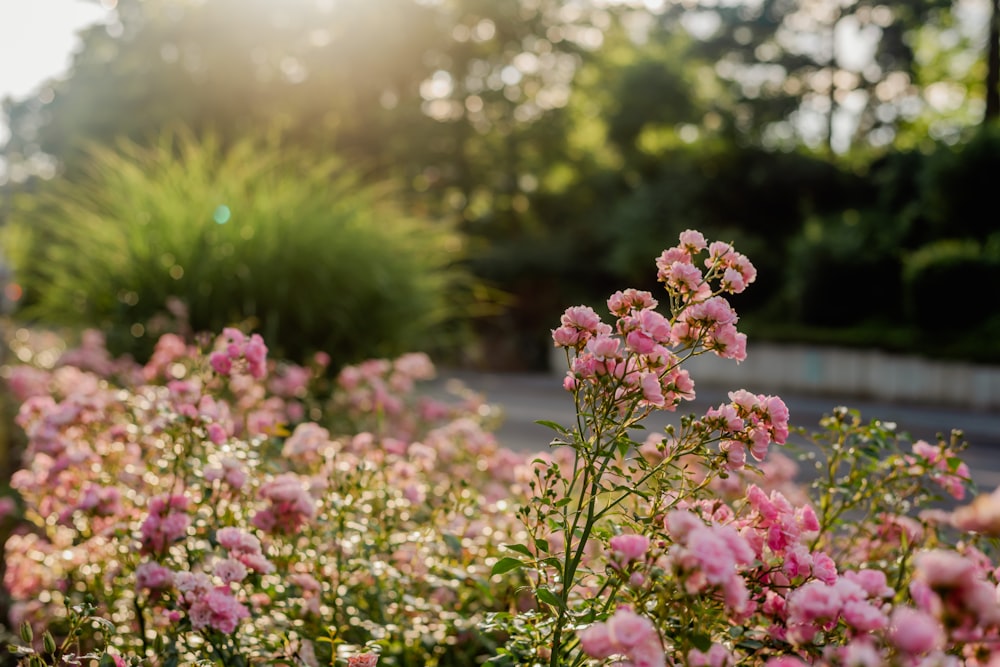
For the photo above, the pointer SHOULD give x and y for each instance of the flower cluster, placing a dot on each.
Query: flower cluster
(237, 349)
(640, 353)
(212, 506)
(693, 548)
(217, 510)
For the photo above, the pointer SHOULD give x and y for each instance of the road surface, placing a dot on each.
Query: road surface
(525, 398)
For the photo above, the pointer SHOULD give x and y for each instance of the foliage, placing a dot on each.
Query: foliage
(930, 271)
(843, 273)
(958, 194)
(257, 233)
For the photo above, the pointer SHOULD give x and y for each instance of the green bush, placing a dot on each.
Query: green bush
(841, 273)
(280, 241)
(958, 187)
(952, 277)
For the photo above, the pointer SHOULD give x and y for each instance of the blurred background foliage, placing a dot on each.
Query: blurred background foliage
(527, 154)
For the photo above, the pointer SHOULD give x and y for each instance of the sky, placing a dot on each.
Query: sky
(37, 38)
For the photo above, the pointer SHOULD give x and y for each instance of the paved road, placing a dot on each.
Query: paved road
(526, 398)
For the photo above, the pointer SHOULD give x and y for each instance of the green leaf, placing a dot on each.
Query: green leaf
(548, 597)
(519, 548)
(558, 428)
(623, 447)
(453, 543)
(701, 642)
(506, 564)
(542, 545)
(107, 624)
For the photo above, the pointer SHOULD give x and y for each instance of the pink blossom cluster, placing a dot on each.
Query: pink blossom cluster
(289, 505)
(748, 422)
(380, 396)
(309, 442)
(982, 515)
(236, 350)
(153, 462)
(166, 523)
(709, 557)
(960, 591)
(244, 548)
(635, 360)
(209, 606)
(626, 634)
(367, 659)
(638, 354)
(941, 466)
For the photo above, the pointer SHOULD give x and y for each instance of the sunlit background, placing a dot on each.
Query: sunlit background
(200, 160)
(37, 40)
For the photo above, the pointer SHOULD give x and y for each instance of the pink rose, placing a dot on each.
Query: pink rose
(915, 632)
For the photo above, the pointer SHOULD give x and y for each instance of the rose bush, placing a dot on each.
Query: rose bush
(217, 507)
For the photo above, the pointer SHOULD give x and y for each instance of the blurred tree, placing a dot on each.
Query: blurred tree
(820, 73)
(993, 64)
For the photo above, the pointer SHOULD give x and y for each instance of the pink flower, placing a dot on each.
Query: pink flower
(625, 633)
(566, 336)
(981, 516)
(622, 303)
(873, 582)
(717, 656)
(915, 632)
(604, 347)
(941, 569)
(732, 281)
(683, 276)
(863, 616)
(813, 601)
(652, 391)
(596, 642)
(713, 555)
(628, 548)
(824, 568)
(230, 570)
(581, 317)
(221, 363)
(363, 660)
(217, 609)
(692, 240)
(153, 576)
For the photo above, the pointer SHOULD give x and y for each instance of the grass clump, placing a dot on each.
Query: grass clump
(295, 247)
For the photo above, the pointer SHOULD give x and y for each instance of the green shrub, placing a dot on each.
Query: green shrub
(840, 273)
(285, 243)
(950, 276)
(958, 187)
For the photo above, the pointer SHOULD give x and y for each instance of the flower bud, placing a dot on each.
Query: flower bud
(26, 634)
(48, 642)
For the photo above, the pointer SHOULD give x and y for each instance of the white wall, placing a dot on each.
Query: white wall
(772, 368)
